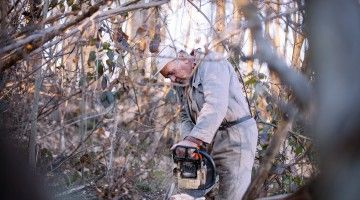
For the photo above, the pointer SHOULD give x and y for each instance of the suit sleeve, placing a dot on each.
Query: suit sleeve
(186, 124)
(215, 78)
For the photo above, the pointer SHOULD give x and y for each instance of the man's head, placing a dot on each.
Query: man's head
(175, 65)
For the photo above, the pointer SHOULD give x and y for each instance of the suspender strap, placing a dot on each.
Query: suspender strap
(230, 124)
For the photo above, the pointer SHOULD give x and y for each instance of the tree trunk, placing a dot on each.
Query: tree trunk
(34, 114)
(219, 23)
(250, 52)
(38, 82)
(298, 42)
(236, 40)
(275, 82)
(83, 122)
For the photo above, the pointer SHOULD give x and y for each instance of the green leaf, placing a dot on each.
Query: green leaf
(251, 81)
(269, 108)
(53, 3)
(75, 7)
(107, 98)
(110, 54)
(104, 82)
(297, 180)
(89, 76)
(264, 137)
(262, 76)
(82, 81)
(144, 187)
(99, 67)
(171, 97)
(106, 46)
(45, 154)
(298, 150)
(117, 94)
(92, 56)
(70, 2)
(125, 14)
(61, 8)
(92, 41)
(110, 64)
(277, 169)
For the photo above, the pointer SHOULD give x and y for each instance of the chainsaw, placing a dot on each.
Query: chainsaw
(195, 171)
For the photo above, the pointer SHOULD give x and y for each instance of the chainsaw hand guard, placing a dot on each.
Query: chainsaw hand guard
(185, 153)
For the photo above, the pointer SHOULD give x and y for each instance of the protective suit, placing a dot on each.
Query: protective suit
(211, 106)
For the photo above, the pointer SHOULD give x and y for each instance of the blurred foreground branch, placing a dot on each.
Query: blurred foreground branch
(265, 53)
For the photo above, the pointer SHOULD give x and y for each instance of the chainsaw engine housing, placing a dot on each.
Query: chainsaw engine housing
(194, 171)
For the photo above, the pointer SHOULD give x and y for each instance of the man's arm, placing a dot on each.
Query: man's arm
(186, 124)
(215, 78)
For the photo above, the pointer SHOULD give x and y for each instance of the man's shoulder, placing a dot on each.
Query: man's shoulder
(213, 61)
(214, 56)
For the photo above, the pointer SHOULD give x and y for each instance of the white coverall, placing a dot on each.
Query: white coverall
(214, 97)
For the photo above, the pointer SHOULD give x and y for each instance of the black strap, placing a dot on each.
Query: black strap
(230, 124)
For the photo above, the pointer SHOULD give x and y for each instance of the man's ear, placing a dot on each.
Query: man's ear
(164, 69)
(187, 60)
(191, 60)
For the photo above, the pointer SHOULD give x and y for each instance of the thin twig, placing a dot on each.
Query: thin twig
(16, 54)
(85, 118)
(275, 126)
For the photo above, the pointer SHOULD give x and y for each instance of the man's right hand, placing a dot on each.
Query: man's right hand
(189, 141)
(185, 143)
(180, 152)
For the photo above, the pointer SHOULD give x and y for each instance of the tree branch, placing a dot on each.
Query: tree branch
(16, 52)
(265, 53)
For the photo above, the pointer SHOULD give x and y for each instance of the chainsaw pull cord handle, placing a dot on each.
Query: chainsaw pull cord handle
(212, 165)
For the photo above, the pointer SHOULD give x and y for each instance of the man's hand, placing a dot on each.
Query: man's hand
(187, 142)
(180, 151)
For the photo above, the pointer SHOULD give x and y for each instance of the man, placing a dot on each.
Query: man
(214, 113)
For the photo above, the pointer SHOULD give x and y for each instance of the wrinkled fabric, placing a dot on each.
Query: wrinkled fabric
(233, 151)
(214, 96)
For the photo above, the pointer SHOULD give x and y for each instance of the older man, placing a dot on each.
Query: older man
(215, 114)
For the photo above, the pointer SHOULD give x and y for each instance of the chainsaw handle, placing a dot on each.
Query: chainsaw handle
(212, 165)
(186, 156)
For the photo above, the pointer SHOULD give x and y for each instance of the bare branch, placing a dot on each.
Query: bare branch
(222, 41)
(120, 10)
(290, 131)
(38, 39)
(265, 53)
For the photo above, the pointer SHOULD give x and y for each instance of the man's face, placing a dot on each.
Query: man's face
(178, 71)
